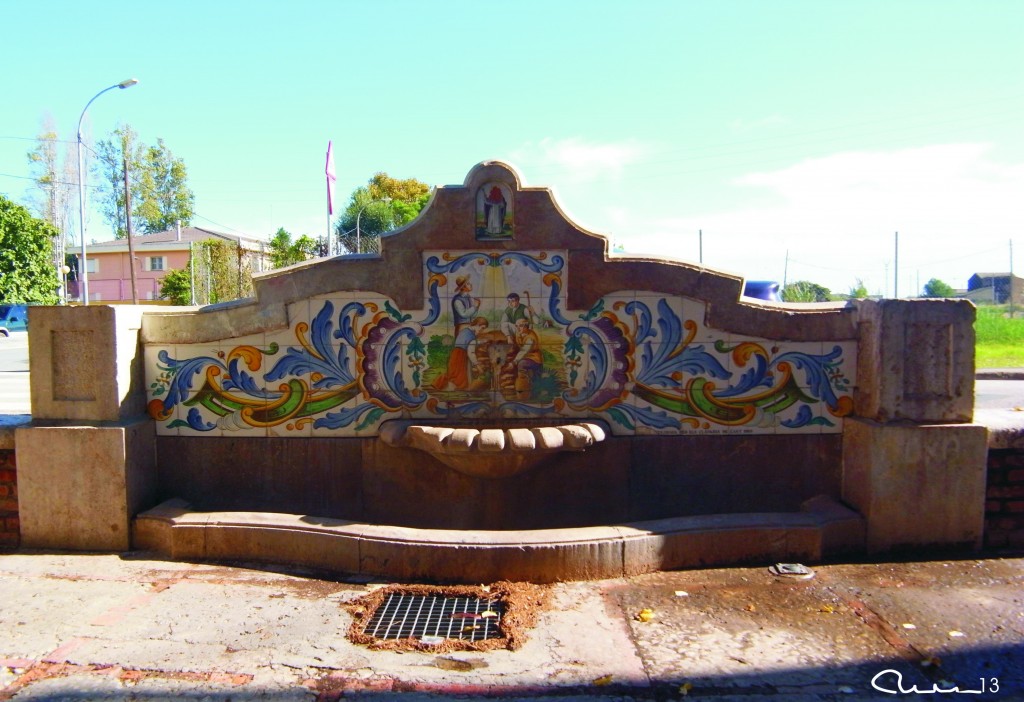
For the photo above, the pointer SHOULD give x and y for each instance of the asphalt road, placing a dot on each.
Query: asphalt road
(14, 388)
(14, 352)
(999, 394)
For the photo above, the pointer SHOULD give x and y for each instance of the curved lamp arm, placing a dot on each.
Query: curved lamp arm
(81, 186)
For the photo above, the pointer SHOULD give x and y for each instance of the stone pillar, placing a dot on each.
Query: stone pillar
(86, 463)
(913, 463)
(915, 360)
(86, 363)
(916, 484)
(80, 486)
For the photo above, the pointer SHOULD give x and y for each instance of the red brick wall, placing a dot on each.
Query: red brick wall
(10, 534)
(1004, 503)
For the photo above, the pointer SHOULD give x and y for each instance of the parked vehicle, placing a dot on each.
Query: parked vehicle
(13, 318)
(762, 290)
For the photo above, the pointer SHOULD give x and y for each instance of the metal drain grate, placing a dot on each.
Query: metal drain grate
(433, 618)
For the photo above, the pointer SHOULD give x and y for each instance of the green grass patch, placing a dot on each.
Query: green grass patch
(999, 338)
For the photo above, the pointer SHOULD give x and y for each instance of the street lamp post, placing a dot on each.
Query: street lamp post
(84, 277)
(64, 270)
(360, 214)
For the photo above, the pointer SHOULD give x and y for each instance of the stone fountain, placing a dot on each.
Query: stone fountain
(495, 395)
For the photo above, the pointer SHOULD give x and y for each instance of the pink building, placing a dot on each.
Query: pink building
(110, 277)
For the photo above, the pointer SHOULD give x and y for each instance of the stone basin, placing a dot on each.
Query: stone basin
(493, 452)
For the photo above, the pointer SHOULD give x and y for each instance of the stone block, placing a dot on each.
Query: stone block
(916, 485)
(80, 486)
(86, 363)
(916, 360)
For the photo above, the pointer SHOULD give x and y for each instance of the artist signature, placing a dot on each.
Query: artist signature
(987, 685)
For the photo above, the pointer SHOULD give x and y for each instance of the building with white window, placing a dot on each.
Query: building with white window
(110, 275)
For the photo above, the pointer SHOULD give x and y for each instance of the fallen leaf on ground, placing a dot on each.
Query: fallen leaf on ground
(644, 615)
(488, 614)
(827, 609)
(956, 634)
(603, 680)
(685, 688)
(750, 608)
(909, 626)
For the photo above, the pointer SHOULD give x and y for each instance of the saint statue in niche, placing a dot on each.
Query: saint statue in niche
(493, 212)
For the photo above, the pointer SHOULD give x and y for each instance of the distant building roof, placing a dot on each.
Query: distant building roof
(171, 239)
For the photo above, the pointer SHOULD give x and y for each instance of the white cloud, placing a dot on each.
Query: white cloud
(575, 160)
(954, 206)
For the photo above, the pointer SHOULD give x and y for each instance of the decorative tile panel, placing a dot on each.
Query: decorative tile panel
(494, 341)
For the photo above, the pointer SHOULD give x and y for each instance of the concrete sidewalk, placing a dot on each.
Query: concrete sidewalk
(126, 627)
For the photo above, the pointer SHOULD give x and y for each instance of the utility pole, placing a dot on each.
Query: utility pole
(191, 271)
(1012, 286)
(896, 270)
(128, 225)
(700, 246)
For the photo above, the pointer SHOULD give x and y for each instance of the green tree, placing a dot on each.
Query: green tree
(285, 252)
(55, 197)
(52, 180)
(112, 153)
(177, 287)
(937, 288)
(26, 264)
(158, 181)
(858, 291)
(383, 204)
(805, 291)
(164, 196)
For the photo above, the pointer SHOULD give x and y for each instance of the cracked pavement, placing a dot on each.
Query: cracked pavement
(129, 627)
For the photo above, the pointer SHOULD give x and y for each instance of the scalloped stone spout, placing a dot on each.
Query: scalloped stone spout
(493, 452)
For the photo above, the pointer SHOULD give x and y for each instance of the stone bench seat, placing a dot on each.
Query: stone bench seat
(824, 528)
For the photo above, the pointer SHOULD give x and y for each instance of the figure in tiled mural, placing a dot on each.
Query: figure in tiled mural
(515, 311)
(526, 362)
(464, 371)
(464, 307)
(494, 211)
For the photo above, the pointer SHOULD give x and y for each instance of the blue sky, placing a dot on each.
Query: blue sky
(797, 136)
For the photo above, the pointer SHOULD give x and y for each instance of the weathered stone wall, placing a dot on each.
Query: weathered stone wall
(616, 481)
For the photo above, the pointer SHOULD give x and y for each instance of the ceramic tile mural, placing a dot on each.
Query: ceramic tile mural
(495, 340)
